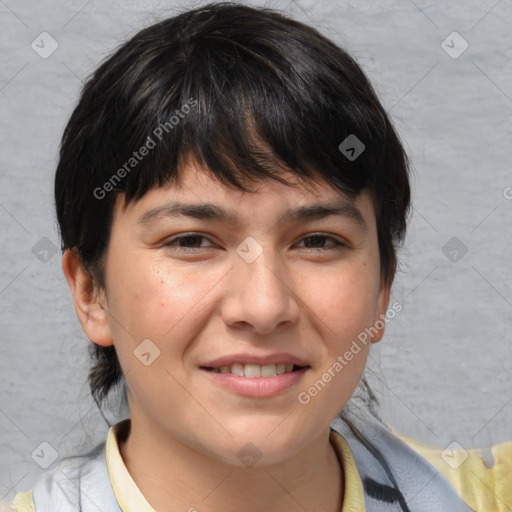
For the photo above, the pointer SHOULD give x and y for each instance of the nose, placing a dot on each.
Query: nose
(260, 295)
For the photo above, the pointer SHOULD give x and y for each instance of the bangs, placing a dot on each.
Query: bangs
(242, 110)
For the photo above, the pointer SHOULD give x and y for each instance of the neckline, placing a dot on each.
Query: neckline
(131, 499)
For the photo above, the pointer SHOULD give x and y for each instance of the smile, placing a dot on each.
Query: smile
(256, 381)
(255, 370)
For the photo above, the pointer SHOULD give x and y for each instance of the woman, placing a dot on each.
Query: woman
(231, 196)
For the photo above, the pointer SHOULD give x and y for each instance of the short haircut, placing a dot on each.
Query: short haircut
(245, 93)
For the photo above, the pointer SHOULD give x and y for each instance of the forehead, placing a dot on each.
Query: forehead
(200, 194)
(193, 177)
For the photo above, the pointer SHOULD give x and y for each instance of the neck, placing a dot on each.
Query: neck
(173, 476)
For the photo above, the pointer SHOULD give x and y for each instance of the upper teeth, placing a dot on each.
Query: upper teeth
(255, 370)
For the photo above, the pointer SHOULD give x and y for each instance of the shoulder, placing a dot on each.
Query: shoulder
(392, 473)
(76, 483)
(482, 477)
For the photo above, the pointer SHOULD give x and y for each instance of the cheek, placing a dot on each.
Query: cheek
(152, 299)
(345, 302)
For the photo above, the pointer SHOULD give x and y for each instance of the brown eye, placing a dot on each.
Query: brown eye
(317, 240)
(184, 242)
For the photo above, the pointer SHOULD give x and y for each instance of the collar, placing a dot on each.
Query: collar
(131, 499)
(127, 493)
(353, 496)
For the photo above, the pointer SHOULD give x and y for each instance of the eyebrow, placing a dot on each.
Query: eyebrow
(316, 211)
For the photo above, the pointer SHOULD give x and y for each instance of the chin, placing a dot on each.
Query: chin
(262, 443)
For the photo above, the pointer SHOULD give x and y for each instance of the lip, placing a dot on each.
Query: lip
(257, 387)
(261, 360)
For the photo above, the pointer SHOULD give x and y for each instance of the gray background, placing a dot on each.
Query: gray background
(443, 369)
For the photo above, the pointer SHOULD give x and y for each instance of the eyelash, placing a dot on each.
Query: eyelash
(171, 242)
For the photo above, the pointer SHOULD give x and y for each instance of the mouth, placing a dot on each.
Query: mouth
(259, 375)
(251, 370)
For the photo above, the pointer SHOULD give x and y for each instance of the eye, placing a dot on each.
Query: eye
(183, 242)
(318, 238)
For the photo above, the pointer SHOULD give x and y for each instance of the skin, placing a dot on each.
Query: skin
(301, 296)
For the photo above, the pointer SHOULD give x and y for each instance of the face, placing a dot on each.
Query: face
(224, 326)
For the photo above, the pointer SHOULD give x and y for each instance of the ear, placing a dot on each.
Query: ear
(377, 331)
(90, 303)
